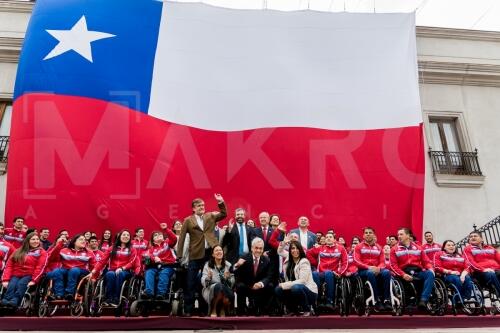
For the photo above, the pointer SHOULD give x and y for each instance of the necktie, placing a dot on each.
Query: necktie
(242, 239)
(255, 266)
(265, 234)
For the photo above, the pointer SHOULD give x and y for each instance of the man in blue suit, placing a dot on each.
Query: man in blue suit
(306, 238)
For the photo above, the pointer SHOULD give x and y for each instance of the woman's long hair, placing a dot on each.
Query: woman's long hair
(291, 263)
(118, 242)
(20, 254)
(102, 240)
(211, 260)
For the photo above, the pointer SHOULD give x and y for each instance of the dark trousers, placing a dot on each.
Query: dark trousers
(193, 280)
(383, 279)
(298, 298)
(491, 278)
(258, 299)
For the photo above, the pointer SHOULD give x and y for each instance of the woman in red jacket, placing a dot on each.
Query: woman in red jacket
(24, 269)
(454, 268)
(106, 241)
(120, 261)
(76, 261)
(160, 258)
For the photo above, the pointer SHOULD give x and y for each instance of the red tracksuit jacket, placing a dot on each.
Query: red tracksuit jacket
(450, 262)
(14, 237)
(141, 246)
(124, 258)
(352, 268)
(431, 249)
(366, 255)
(98, 254)
(70, 258)
(413, 255)
(105, 246)
(329, 258)
(6, 249)
(34, 265)
(480, 258)
(165, 250)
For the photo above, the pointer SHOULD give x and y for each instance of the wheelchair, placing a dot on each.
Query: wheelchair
(488, 292)
(47, 305)
(139, 306)
(96, 307)
(405, 296)
(362, 296)
(472, 307)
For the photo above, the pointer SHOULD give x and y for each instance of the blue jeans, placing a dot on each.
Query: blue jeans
(465, 289)
(329, 278)
(384, 277)
(113, 284)
(164, 275)
(16, 289)
(59, 275)
(193, 283)
(298, 297)
(428, 278)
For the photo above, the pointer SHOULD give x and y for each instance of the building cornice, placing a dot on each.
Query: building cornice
(458, 34)
(14, 6)
(467, 74)
(10, 48)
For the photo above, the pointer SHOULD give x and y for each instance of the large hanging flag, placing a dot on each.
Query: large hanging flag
(126, 110)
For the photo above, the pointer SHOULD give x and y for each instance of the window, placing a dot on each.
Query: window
(5, 119)
(454, 162)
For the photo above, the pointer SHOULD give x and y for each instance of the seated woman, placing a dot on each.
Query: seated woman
(299, 291)
(454, 268)
(75, 261)
(121, 261)
(217, 283)
(106, 242)
(484, 260)
(159, 258)
(24, 269)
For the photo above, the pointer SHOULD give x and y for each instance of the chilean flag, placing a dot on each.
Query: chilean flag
(126, 110)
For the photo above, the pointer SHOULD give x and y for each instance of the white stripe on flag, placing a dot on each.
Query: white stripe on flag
(227, 70)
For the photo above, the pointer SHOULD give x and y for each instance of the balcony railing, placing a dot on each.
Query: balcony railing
(455, 163)
(4, 148)
(490, 233)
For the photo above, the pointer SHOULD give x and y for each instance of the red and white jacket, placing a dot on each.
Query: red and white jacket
(444, 262)
(413, 255)
(104, 246)
(98, 254)
(33, 265)
(482, 257)
(165, 250)
(70, 258)
(141, 246)
(329, 258)
(125, 258)
(14, 237)
(431, 249)
(6, 250)
(366, 255)
(352, 268)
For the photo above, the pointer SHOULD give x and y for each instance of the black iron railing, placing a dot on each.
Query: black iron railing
(455, 163)
(490, 232)
(4, 148)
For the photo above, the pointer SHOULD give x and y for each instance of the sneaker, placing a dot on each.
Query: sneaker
(160, 297)
(423, 304)
(306, 314)
(146, 296)
(68, 297)
(387, 305)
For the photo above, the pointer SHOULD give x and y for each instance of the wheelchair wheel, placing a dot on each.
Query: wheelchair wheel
(95, 309)
(76, 309)
(397, 297)
(476, 307)
(358, 299)
(494, 299)
(438, 300)
(343, 296)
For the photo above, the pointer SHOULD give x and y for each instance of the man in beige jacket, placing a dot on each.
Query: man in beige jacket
(201, 229)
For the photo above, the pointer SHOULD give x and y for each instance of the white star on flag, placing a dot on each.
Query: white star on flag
(77, 39)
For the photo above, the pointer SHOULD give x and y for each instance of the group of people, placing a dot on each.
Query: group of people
(261, 264)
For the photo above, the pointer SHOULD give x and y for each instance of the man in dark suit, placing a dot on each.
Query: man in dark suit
(264, 231)
(201, 229)
(253, 280)
(238, 238)
(307, 238)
